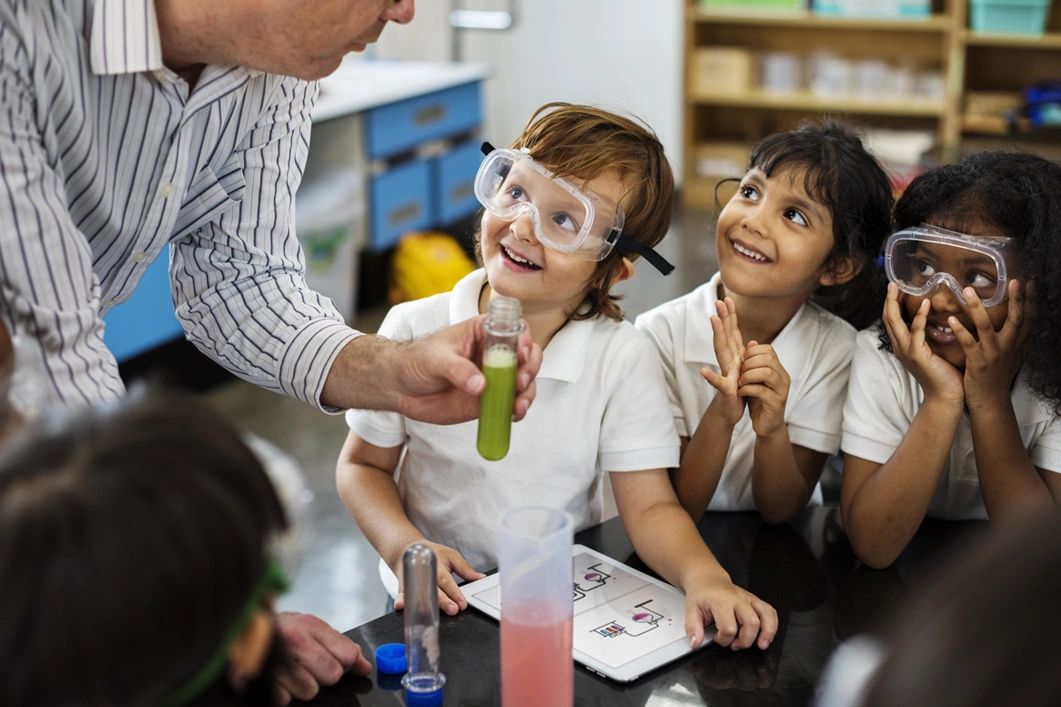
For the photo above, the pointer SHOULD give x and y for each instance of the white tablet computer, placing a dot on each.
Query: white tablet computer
(626, 623)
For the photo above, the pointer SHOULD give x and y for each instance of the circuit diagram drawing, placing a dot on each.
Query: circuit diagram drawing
(642, 620)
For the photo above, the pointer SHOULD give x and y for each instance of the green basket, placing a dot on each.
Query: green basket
(1013, 16)
(753, 5)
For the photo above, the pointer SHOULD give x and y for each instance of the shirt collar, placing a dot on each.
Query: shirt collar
(125, 38)
(565, 356)
(795, 340)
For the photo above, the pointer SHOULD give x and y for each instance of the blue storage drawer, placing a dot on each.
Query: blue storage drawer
(399, 127)
(400, 201)
(146, 319)
(455, 182)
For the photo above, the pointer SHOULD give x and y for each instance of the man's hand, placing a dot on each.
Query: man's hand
(434, 379)
(317, 655)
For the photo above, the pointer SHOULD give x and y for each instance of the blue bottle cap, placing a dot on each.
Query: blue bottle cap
(390, 658)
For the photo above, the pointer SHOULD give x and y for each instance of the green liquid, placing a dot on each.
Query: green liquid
(495, 411)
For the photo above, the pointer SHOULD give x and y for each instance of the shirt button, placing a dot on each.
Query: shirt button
(160, 75)
(108, 303)
(167, 191)
(140, 257)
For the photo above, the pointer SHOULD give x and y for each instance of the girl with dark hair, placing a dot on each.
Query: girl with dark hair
(796, 247)
(136, 564)
(954, 401)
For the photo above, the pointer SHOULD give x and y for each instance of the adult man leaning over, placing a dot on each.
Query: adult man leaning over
(129, 124)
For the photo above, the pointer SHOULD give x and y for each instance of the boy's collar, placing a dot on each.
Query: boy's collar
(563, 359)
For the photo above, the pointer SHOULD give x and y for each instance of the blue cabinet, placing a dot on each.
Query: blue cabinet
(454, 182)
(404, 125)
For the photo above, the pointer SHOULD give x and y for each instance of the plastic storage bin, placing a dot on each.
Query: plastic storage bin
(328, 220)
(1014, 16)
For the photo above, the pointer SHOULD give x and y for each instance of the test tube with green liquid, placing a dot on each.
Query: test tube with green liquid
(502, 327)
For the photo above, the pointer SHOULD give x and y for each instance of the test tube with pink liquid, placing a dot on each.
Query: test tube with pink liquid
(534, 561)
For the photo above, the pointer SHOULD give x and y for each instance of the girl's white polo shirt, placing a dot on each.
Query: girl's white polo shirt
(882, 400)
(814, 347)
(600, 406)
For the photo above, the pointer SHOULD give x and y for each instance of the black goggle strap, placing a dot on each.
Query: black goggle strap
(628, 246)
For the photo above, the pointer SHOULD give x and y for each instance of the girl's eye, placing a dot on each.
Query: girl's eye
(924, 268)
(979, 280)
(565, 222)
(795, 217)
(515, 193)
(748, 192)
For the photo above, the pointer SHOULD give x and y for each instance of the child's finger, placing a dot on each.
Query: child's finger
(749, 627)
(917, 327)
(399, 601)
(451, 600)
(694, 628)
(767, 622)
(984, 329)
(719, 383)
(464, 570)
(973, 352)
(765, 394)
(725, 626)
(1014, 330)
(893, 320)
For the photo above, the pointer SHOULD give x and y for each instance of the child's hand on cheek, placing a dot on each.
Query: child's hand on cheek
(729, 351)
(764, 382)
(938, 378)
(992, 363)
(450, 598)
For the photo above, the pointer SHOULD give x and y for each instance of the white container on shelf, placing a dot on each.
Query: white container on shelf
(329, 221)
(831, 76)
(781, 72)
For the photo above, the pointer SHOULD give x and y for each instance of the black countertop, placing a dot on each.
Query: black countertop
(805, 568)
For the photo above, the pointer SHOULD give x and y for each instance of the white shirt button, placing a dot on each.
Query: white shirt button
(108, 303)
(160, 75)
(140, 257)
(167, 191)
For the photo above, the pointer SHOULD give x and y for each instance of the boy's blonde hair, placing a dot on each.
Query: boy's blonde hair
(582, 142)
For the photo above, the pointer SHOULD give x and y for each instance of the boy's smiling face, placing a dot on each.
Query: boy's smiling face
(544, 280)
(944, 304)
(773, 238)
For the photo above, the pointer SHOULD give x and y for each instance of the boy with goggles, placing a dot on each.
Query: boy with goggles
(920, 259)
(566, 218)
(558, 244)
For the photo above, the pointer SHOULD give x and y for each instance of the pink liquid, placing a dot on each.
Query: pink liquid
(537, 668)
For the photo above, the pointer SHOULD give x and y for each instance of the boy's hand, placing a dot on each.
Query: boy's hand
(937, 377)
(765, 383)
(450, 598)
(729, 351)
(992, 363)
(741, 619)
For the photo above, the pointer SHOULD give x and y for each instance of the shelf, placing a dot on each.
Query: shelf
(804, 100)
(1051, 40)
(810, 20)
(990, 124)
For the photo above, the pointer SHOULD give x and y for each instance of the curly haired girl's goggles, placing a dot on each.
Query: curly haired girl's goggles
(578, 222)
(922, 258)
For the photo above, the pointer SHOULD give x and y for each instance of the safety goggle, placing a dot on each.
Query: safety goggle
(921, 258)
(578, 222)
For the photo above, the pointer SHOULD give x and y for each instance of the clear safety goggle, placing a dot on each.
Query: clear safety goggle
(579, 222)
(922, 258)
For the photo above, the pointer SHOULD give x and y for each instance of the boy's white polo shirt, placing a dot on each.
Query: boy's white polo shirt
(600, 406)
(882, 400)
(815, 349)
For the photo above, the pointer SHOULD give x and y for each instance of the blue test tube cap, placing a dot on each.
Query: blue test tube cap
(390, 659)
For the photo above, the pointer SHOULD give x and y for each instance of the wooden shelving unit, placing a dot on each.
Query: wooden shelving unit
(969, 62)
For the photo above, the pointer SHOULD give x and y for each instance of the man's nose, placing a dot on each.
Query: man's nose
(400, 11)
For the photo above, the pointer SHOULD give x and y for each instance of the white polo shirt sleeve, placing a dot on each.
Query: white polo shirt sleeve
(1047, 451)
(383, 429)
(637, 430)
(880, 402)
(659, 330)
(815, 420)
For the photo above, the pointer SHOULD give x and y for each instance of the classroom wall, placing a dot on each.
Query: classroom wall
(622, 54)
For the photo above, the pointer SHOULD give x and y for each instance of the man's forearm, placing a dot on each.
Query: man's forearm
(364, 376)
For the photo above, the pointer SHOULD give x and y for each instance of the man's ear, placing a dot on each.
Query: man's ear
(839, 271)
(626, 270)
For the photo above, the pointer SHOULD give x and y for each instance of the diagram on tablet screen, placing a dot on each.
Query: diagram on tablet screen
(592, 578)
(642, 619)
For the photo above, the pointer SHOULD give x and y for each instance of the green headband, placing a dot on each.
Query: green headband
(273, 581)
